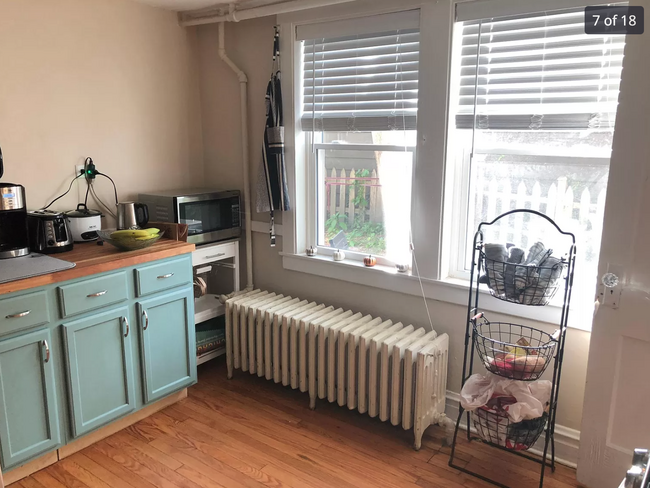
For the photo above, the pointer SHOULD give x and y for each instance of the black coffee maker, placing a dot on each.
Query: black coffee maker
(14, 241)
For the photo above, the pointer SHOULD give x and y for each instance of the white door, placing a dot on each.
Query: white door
(617, 395)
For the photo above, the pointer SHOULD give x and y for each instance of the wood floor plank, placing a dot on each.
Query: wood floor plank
(288, 478)
(271, 434)
(48, 479)
(382, 434)
(214, 468)
(124, 439)
(144, 466)
(199, 477)
(216, 393)
(222, 448)
(28, 482)
(300, 462)
(121, 471)
(82, 475)
(244, 451)
(64, 477)
(112, 479)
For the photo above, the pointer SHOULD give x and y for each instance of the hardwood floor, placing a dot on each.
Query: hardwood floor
(252, 433)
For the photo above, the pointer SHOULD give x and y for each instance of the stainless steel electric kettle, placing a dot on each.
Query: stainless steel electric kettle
(132, 215)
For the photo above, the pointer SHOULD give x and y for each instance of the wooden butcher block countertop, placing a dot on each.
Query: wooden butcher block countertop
(92, 259)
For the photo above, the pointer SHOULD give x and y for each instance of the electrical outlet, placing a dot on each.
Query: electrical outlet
(80, 182)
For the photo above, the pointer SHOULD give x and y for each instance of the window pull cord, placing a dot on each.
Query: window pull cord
(417, 273)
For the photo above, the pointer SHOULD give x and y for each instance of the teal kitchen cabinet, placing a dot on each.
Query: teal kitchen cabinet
(99, 366)
(29, 420)
(167, 341)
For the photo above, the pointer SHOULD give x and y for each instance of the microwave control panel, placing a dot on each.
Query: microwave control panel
(235, 215)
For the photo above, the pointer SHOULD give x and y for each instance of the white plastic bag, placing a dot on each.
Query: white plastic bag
(532, 397)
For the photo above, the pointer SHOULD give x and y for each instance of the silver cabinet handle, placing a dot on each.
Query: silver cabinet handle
(126, 322)
(165, 276)
(215, 255)
(47, 351)
(146, 319)
(98, 294)
(18, 315)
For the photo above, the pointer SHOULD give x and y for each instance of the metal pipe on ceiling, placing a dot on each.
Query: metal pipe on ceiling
(252, 13)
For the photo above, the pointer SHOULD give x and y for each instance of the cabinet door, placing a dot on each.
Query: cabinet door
(29, 422)
(167, 338)
(100, 369)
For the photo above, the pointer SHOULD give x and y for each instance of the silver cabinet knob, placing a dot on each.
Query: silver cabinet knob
(19, 315)
(47, 351)
(98, 294)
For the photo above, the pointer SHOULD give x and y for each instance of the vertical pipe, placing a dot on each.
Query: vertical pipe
(243, 86)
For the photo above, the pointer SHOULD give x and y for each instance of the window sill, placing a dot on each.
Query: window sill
(449, 290)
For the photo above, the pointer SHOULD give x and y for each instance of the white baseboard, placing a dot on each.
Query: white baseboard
(567, 441)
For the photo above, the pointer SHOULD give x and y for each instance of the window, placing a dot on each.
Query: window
(409, 128)
(359, 119)
(531, 123)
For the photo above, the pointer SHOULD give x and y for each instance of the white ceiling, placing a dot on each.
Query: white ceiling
(184, 5)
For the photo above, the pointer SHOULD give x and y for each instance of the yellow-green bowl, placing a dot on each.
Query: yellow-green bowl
(128, 243)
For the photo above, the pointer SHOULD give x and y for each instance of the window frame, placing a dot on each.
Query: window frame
(457, 233)
(435, 25)
(432, 215)
(313, 194)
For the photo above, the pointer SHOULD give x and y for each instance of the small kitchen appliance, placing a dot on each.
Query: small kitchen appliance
(210, 215)
(14, 241)
(84, 223)
(132, 215)
(48, 232)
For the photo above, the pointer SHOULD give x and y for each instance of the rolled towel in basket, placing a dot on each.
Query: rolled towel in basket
(527, 275)
(495, 258)
(517, 256)
(549, 272)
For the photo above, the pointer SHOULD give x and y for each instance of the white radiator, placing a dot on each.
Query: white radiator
(386, 369)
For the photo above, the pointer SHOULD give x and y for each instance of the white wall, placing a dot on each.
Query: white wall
(110, 79)
(248, 44)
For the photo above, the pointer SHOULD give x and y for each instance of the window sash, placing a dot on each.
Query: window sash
(361, 82)
(317, 214)
(537, 72)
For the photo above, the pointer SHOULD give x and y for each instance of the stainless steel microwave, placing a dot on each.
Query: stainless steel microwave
(210, 215)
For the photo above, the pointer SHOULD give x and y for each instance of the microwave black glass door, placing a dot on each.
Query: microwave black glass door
(208, 215)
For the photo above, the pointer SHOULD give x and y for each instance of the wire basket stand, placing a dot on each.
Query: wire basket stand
(488, 341)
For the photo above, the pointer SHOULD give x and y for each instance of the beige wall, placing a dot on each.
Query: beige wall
(110, 79)
(247, 44)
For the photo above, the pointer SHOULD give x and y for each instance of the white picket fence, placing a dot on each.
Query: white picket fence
(577, 211)
(581, 214)
(341, 193)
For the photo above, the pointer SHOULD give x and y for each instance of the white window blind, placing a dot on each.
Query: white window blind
(538, 71)
(362, 82)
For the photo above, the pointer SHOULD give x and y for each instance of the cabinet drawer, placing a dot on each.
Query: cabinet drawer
(24, 311)
(92, 294)
(161, 276)
(214, 252)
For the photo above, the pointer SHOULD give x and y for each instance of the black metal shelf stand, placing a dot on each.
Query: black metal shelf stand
(471, 345)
